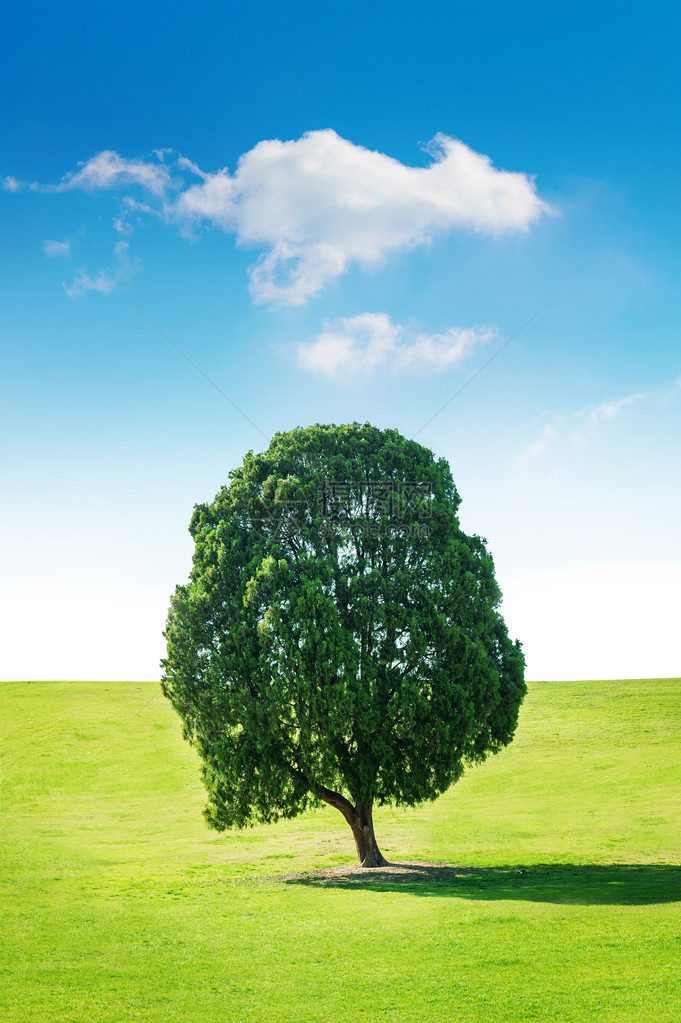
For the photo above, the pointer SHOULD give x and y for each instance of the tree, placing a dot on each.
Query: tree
(338, 639)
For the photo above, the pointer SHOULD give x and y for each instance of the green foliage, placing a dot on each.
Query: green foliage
(339, 633)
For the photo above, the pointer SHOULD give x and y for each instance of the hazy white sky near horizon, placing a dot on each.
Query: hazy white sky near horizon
(621, 622)
(335, 231)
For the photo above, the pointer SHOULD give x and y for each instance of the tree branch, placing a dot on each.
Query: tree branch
(328, 795)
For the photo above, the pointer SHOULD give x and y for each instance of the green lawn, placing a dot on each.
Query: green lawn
(117, 904)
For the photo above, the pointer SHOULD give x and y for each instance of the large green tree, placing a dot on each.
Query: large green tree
(339, 638)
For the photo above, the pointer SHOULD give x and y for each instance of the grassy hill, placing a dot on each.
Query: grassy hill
(117, 904)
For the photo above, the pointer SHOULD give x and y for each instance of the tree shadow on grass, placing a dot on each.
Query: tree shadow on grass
(619, 884)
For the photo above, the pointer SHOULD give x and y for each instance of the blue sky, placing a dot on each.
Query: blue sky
(340, 214)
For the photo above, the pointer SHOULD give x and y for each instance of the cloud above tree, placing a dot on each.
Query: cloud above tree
(358, 347)
(316, 205)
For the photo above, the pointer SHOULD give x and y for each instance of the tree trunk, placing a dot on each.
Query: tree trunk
(359, 818)
(361, 822)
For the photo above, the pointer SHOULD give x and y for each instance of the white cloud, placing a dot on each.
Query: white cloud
(109, 170)
(584, 422)
(184, 164)
(105, 282)
(355, 345)
(358, 346)
(11, 184)
(57, 250)
(122, 226)
(539, 446)
(132, 214)
(609, 409)
(318, 204)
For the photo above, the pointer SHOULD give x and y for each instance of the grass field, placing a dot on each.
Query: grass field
(118, 905)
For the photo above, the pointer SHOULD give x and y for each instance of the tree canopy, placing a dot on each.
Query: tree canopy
(339, 637)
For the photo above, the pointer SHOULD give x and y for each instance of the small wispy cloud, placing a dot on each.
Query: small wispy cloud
(578, 426)
(57, 250)
(359, 346)
(539, 446)
(108, 170)
(105, 281)
(609, 409)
